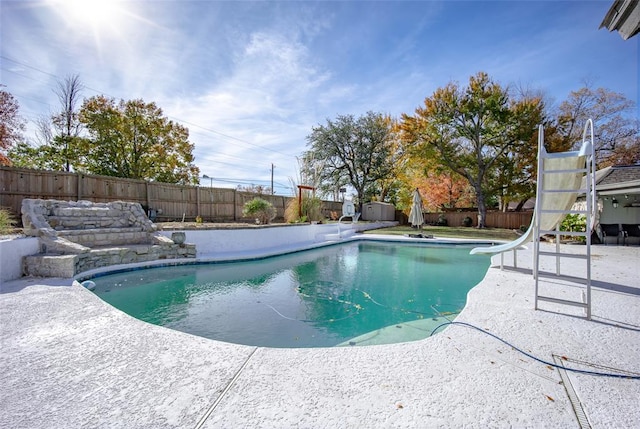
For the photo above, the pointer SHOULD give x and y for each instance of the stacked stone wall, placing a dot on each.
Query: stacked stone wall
(76, 236)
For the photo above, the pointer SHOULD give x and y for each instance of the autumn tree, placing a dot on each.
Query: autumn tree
(439, 187)
(351, 151)
(474, 132)
(616, 132)
(444, 189)
(11, 124)
(389, 188)
(133, 139)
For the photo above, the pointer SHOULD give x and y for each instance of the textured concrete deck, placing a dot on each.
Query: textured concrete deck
(70, 361)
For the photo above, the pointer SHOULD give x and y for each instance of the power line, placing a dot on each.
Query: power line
(32, 99)
(28, 66)
(198, 126)
(22, 75)
(250, 182)
(233, 138)
(174, 118)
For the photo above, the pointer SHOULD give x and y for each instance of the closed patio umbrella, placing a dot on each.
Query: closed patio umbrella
(416, 219)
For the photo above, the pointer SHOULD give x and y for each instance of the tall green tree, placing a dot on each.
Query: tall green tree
(475, 131)
(11, 124)
(133, 139)
(44, 157)
(351, 151)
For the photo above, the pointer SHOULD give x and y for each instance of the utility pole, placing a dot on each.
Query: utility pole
(272, 167)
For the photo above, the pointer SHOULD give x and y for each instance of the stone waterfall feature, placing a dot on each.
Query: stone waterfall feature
(77, 236)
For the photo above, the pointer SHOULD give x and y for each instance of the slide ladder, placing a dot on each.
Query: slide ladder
(562, 176)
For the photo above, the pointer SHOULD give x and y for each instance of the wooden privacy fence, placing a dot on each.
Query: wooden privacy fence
(176, 202)
(170, 202)
(495, 219)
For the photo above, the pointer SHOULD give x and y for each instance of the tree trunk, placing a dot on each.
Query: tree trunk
(482, 208)
(360, 192)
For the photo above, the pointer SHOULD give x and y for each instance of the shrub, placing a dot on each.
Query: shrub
(291, 211)
(7, 223)
(263, 210)
(312, 209)
(442, 221)
(467, 221)
(574, 222)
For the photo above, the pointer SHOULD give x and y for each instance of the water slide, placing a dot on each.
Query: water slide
(560, 180)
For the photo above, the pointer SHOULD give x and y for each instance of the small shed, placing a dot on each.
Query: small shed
(378, 211)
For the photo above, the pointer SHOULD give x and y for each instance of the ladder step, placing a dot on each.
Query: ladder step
(564, 191)
(567, 233)
(584, 212)
(563, 255)
(563, 301)
(570, 170)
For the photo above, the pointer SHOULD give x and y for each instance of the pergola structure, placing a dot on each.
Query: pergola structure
(300, 188)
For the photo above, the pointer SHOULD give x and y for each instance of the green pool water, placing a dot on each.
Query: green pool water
(362, 292)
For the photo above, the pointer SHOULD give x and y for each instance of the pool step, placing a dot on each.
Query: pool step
(398, 333)
(67, 266)
(106, 236)
(335, 236)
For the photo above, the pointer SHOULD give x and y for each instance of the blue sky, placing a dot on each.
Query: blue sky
(250, 79)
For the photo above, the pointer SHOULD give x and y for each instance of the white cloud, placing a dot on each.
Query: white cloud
(257, 76)
(265, 101)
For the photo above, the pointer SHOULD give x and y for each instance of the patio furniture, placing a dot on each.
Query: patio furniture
(631, 233)
(611, 233)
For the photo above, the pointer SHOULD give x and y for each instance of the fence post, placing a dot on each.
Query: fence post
(198, 201)
(235, 205)
(79, 179)
(147, 196)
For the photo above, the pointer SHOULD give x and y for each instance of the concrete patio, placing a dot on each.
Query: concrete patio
(71, 361)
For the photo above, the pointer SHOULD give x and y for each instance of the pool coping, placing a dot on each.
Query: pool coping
(254, 255)
(70, 360)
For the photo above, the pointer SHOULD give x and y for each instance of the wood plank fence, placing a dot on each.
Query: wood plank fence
(495, 219)
(170, 202)
(177, 202)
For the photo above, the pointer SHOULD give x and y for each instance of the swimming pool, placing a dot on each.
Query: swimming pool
(361, 292)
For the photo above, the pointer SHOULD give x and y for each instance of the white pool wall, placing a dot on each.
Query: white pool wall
(214, 243)
(219, 242)
(11, 253)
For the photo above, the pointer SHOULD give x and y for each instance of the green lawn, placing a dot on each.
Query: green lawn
(451, 232)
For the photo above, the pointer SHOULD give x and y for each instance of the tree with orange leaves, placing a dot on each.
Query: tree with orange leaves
(475, 132)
